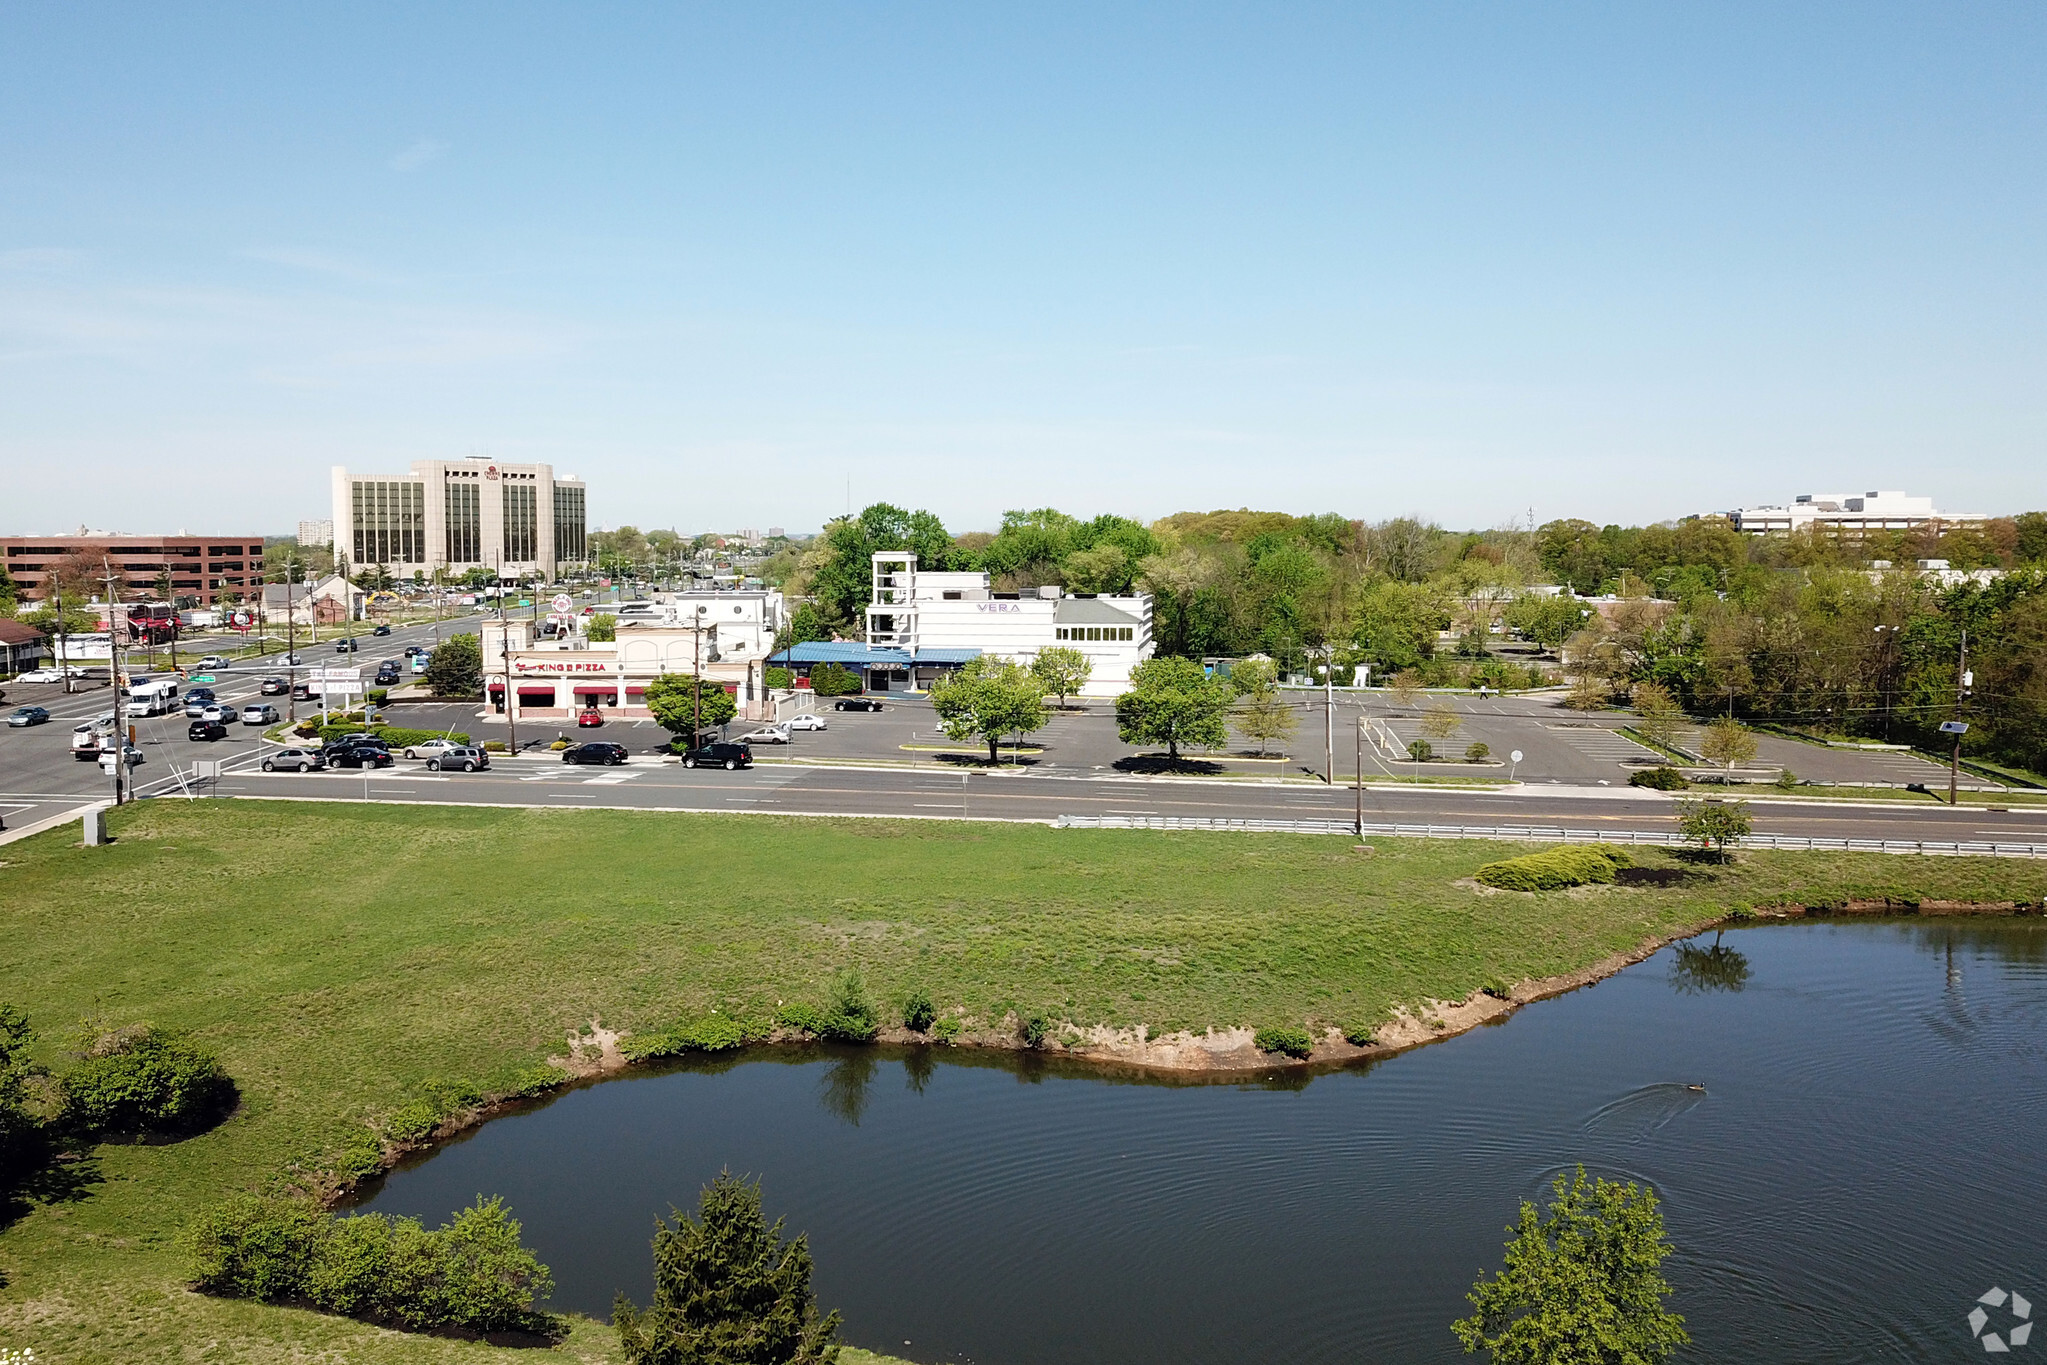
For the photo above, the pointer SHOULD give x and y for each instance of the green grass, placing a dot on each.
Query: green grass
(474, 940)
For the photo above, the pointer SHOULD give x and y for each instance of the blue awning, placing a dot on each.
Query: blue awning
(853, 654)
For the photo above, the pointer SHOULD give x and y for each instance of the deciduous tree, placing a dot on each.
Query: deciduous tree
(683, 704)
(1261, 713)
(456, 668)
(1582, 1285)
(1713, 824)
(1174, 702)
(1728, 743)
(988, 698)
(1062, 670)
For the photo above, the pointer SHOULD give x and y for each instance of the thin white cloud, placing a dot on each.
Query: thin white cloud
(321, 263)
(418, 154)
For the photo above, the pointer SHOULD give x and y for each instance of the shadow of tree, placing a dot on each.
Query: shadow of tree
(1151, 764)
(58, 1177)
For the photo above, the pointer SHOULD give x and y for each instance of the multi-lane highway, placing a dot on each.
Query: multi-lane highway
(837, 774)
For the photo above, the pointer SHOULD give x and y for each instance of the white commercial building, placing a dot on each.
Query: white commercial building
(1849, 514)
(518, 520)
(316, 533)
(936, 614)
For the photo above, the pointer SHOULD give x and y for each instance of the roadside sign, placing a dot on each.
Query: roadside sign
(334, 674)
(1514, 757)
(242, 620)
(1954, 727)
(561, 602)
(202, 678)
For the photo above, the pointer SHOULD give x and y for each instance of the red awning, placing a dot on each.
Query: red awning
(606, 690)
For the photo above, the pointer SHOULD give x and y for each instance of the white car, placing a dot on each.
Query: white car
(291, 660)
(806, 721)
(767, 734)
(212, 661)
(261, 713)
(41, 675)
(432, 748)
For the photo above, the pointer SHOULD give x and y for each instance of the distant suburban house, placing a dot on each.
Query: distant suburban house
(21, 648)
(326, 601)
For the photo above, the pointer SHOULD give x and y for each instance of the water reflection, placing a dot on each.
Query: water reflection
(843, 1091)
(1695, 970)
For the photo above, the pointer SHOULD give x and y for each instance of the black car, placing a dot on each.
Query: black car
(856, 704)
(726, 756)
(272, 687)
(205, 729)
(357, 756)
(200, 694)
(381, 630)
(411, 650)
(596, 752)
(387, 673)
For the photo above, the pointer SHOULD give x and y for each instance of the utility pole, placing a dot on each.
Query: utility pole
(696, 677)
(505, 651)
(1329, 718)
(121, 737)
(63, 634)
(1361, 772)
(1964, 682)
(291, 633)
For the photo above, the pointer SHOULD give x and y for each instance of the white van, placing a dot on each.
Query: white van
(153, 697)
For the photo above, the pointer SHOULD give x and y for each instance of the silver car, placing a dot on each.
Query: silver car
(466, 758)
(222, 712)
(262, 713)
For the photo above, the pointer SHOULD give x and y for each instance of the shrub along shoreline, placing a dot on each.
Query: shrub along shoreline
(523, 948)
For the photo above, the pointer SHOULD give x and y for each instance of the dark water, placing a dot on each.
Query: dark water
(1868, 1157)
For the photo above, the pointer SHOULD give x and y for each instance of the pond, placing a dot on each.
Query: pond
(1865, 1160)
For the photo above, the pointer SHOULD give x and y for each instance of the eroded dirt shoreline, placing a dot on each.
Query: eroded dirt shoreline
(594, 1054)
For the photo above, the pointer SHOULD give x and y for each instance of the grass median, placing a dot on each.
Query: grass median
(457, 943)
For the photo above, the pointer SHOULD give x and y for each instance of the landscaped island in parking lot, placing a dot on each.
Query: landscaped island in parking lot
(349, 963)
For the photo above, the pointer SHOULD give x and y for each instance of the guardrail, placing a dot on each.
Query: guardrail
(1554, 834)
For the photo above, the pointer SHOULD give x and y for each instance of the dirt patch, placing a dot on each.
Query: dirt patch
(591, 1054)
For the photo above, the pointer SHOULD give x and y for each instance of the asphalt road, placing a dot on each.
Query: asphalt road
(1572, 775)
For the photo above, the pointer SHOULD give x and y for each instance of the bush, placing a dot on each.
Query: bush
(138, 1080)
(1478, 752)
(851, 1016)
(833, 680)
(1786, 780)
(1358, 1035)
(378, 695)
(1034, 1030)
(1497, 989)
(778, 679)
(918, 1012)
(1663, 779)
(711, 1033)
(495, 746)
(472, 1273)
(1294, 1042)
(946, 1030)
(1421, 751)
(1556, 868)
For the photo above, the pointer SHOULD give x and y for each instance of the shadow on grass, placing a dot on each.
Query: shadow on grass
(1660, 876)
(976, 761)
(52, 1176)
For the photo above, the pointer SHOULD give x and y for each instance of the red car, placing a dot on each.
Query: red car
(589, 718)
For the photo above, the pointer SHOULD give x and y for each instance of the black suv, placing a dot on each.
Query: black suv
(205, 729)
(726, 756)
(856, 704)
(357, 756)
(381, 630)
(344, 646)
(387, 673)
(594, 753)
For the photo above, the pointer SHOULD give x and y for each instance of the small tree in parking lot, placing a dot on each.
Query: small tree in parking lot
(834, 680)
(987, 698)
(683, 703)
(1062, 670)
(456, 668)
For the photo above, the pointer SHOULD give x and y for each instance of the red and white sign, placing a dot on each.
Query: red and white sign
(562, 603)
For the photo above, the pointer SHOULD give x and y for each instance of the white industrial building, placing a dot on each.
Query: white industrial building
(518, 520)
(920, 623)
(1852, 515)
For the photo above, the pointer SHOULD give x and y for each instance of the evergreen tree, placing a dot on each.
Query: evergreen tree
(728, 1291)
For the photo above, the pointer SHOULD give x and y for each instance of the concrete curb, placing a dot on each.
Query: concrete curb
(29, 831)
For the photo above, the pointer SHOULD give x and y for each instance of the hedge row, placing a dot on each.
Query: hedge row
(1556, 868)
(471, 1273)
(712, 1033)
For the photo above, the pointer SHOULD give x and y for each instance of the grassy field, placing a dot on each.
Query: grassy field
(343, 957)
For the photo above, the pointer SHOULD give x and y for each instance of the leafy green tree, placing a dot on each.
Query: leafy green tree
(844, 579)
(1714, 824)
(21, 1128)
(1656, 714)
(456, 668)
(1548, 621)
(1582, 1285)
(1728, 743)
(1260, 712)
(728, 1290)
(1103, 569)
(603, 626)
(2030, 537)
(1062, 671)
(805, 624)
(1174, 702)
(988, 698)
(1441, 719)
(684, 704)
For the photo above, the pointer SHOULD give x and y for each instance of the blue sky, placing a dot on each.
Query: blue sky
(1627, 262)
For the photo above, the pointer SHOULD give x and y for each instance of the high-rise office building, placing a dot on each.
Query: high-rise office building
(515, 519)
(316, 533)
